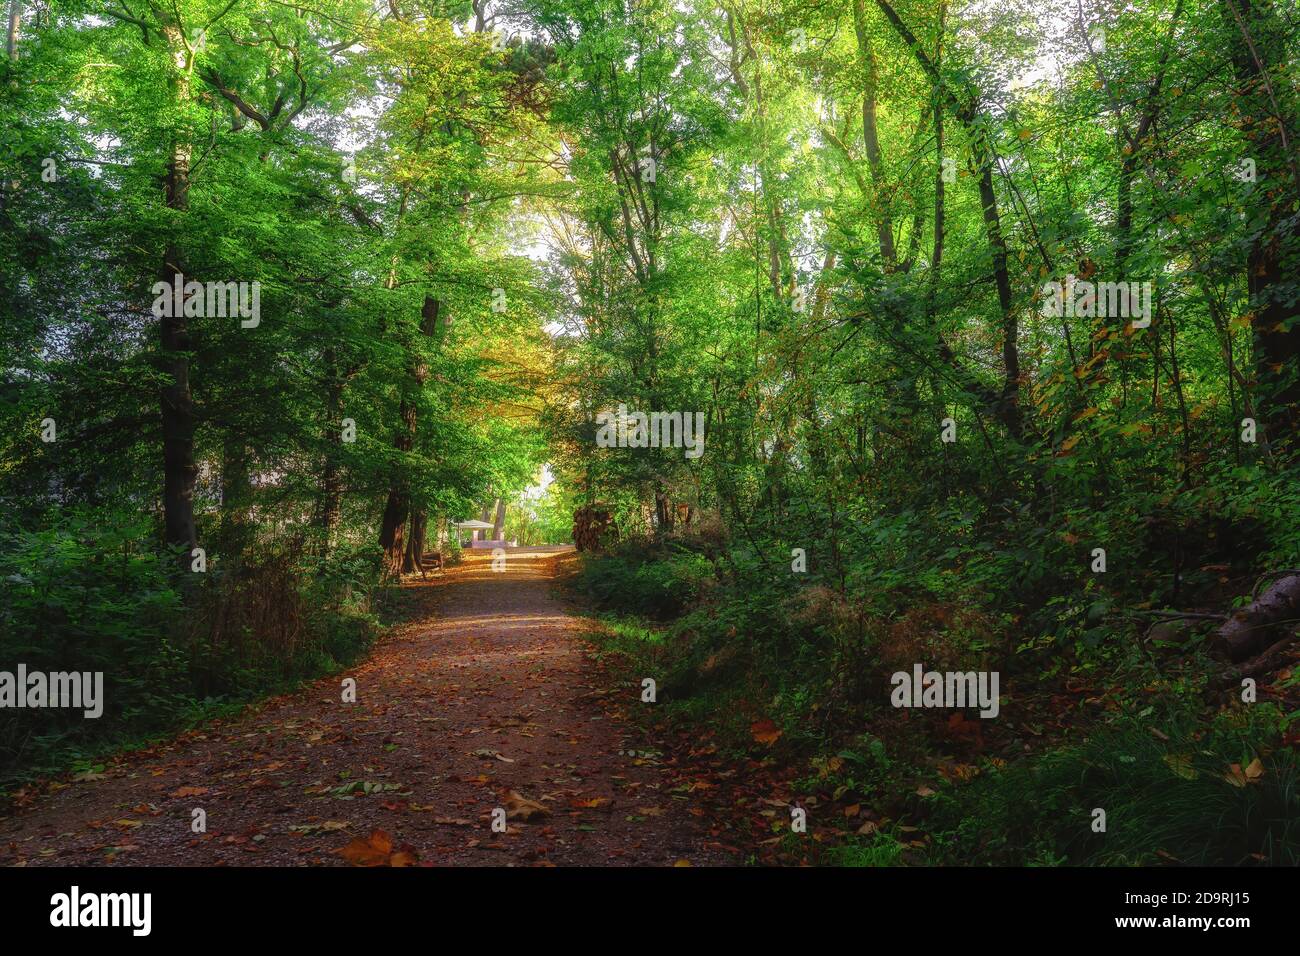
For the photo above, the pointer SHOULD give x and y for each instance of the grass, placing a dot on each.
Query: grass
(1175, 801)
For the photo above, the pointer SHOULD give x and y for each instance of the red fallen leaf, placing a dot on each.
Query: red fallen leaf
(765, 731)
(590, 804)
(394, 804)
(189, 792)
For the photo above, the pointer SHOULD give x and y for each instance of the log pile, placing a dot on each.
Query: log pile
(1262, 622)
(593, 527)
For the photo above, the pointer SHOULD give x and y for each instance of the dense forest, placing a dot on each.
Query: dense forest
(846, 339)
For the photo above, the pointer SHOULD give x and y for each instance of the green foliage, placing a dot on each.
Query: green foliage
(639, 583)
(227, 143)
(82, 595)
(1166, 801)
(88, 593)
(828, 230)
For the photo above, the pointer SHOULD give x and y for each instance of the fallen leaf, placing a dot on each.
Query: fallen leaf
(325, 827)
(377, 850)
(189, 792)
(520, 808)
(765, 731)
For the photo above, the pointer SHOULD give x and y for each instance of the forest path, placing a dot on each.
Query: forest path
(485, 691)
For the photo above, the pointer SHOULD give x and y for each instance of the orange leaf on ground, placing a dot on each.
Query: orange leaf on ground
(189, 792)
(377, 850)
(765, 731)
(520, 808)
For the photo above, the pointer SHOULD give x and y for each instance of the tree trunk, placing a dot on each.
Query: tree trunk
(1257, 48)
(966, 108)
(1009, 401)
(331, 483)
(1260, 623)
(871, 140)
(415, 542)
(499, 522)
(392, 527)
(663, 512)
(392, 532)
(179, 470)
(15, 25)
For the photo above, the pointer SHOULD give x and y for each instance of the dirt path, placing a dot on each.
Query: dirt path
(486, 692)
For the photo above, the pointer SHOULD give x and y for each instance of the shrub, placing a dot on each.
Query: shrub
(88, 592)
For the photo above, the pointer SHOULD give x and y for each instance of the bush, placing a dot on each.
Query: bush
(645, 582)
(88, 592)
(83, 595)
(1175, 801)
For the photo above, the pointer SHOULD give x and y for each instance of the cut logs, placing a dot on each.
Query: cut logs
(1261, 622)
